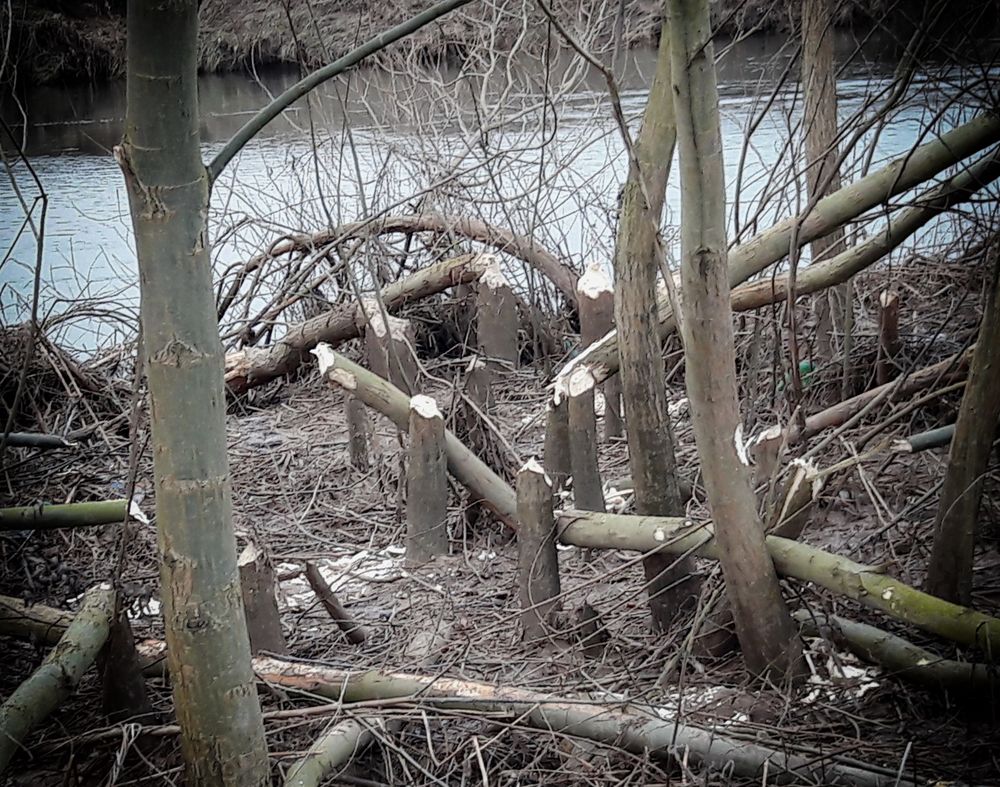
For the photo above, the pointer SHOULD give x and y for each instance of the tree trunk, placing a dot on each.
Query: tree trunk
(426, 484)
(258, 583)
(556, 453)
(949, 573)
(215, 697)
(537, 559)
(588, 491)
(496, 319)
(644, 396)
(767, 635)
(596, 299)
(819, 123)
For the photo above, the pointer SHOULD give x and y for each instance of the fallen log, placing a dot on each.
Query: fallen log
(332, 750)
(864, 584)
(849, 202)
(37, 440)
(253, 366)
(47, 517)
(900, 658)
(925, 441)
(635, 729)
(58, 675)
(37, 622)
(524, 248)
(384, 397)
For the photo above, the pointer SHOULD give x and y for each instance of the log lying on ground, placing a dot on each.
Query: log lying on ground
(384, 397)
(901, 658)
(868, 586)
(58, 675)
(524, 248)
(634, 729)
(255, 366)
(39, 623)
(925, 441)
(44, 517)
(333, 749)
(36, 440)
(757, 254)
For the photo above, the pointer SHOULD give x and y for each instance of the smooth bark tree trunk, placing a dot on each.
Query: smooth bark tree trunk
(819, 125)
(537, 559)
(767, 635)
(949, 573)
(647, 422)
(215, 697)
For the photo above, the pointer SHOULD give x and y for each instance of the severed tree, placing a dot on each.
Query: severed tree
(767, 634)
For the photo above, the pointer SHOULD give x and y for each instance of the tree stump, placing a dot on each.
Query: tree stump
(496, 318)
(426, 484)
(537, 559)
(556, 450)
(888, 336)
(596, 299)
(358, 427)
(389, 343)
(259, 602)
(587, 489)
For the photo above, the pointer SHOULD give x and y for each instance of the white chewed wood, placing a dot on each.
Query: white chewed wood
(425, 406)
(325, 357)
(594, 282)
(580, 382)
(534, 466)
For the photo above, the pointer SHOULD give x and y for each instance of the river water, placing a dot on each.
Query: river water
(409, 146)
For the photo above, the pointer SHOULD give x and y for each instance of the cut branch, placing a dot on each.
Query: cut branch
(45, 517)
(58, 675)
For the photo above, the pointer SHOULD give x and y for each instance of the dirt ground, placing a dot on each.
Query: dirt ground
(296, 494)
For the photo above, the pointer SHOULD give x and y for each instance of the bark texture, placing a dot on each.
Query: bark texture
(215, 697)
(258, 583)
(537, 560)
(767, 635)
(426, 484)
(819, 87)
(949, 573)
(648, 429)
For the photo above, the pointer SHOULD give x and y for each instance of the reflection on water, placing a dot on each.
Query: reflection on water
(405, 149)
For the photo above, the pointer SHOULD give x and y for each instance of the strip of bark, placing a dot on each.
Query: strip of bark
(59, 674)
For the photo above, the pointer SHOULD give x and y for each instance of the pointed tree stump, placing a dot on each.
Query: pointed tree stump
(596, 299)
(258, 584)
(426, 484)
(123, 687)
(496, 318)
(537, 559)
(888, 336)
(587, 488)
(556, 450)
(389, 343)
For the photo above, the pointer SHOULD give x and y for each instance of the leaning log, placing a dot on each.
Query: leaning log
(58, 675)
(46, 517)
(255, 366)
(384, 397)
(754, 256)
(864, 584)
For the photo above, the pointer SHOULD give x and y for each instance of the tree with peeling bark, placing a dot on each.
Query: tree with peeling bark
(949, 573)
(648, 429)
(767, 634)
